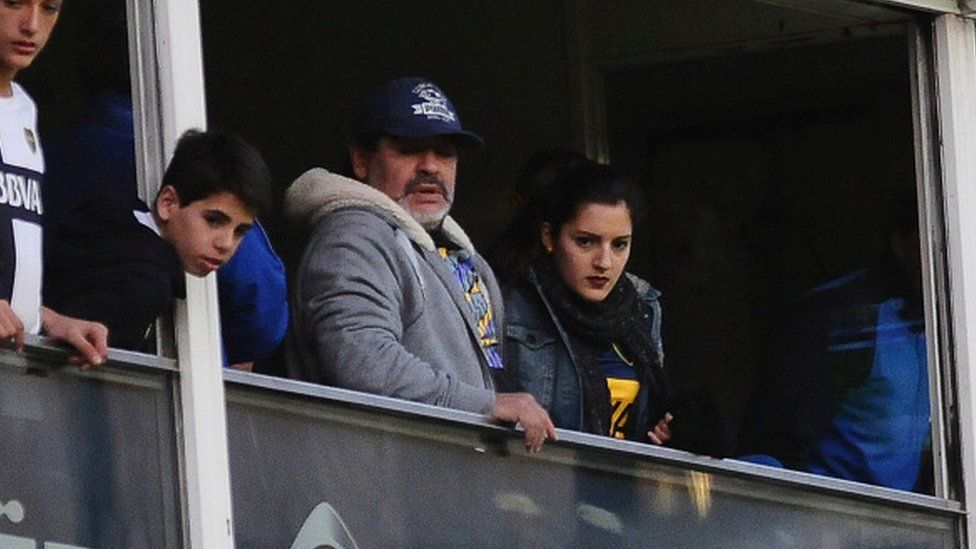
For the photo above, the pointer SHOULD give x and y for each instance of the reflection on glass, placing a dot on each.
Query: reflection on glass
(88, 461)
(517, 503)
(700, 490)
(599, 517)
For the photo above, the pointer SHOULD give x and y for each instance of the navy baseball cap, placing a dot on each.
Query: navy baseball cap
(413, 108)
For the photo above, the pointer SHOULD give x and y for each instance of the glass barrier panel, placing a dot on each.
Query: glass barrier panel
(360, 471)
(88, 460)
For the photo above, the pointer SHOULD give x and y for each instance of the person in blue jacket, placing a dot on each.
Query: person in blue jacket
(582, 335)
(847, 391)
(253, 301)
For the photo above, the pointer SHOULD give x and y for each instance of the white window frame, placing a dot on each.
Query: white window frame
(168, 99)
(932, 242)
(954, 44)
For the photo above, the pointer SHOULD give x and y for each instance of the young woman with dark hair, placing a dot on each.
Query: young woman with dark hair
(582, 335)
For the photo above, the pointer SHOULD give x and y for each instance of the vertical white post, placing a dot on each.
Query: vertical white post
(931, 241)
(182, 106)
(955, 67)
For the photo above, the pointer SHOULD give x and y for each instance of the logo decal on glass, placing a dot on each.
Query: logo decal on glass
(324, 528)
(12, 510)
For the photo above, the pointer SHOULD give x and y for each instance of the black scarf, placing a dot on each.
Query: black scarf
(592, 328)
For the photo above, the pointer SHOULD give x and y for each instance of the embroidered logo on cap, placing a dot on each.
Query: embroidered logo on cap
(31, 140)
(434, 106)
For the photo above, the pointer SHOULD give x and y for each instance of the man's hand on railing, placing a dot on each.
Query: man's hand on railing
(89, 339)
(522, 408)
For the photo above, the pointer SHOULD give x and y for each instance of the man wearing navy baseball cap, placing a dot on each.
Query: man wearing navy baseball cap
(390, 296)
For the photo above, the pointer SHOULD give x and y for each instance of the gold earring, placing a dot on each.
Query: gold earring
(549, 250)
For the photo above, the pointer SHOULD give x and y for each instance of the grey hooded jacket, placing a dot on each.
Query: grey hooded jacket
(375, 308)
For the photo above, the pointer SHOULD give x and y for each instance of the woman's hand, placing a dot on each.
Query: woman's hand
(662, 431)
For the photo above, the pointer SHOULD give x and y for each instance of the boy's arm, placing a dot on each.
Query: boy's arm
(89, 339)
(116, 272)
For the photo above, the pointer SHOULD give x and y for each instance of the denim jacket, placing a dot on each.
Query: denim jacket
(539, 357)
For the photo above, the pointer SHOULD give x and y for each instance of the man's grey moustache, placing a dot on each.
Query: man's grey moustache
(414, 184)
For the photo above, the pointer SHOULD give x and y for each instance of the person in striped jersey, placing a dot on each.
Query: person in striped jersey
(25, 26)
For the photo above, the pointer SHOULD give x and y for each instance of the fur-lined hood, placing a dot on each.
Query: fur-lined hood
(318, 192)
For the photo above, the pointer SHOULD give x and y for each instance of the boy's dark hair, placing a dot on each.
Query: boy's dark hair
(211, 162)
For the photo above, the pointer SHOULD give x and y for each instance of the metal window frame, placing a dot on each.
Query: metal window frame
(955, 7)
(954, 45)
(165, 47)
(932, 242)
